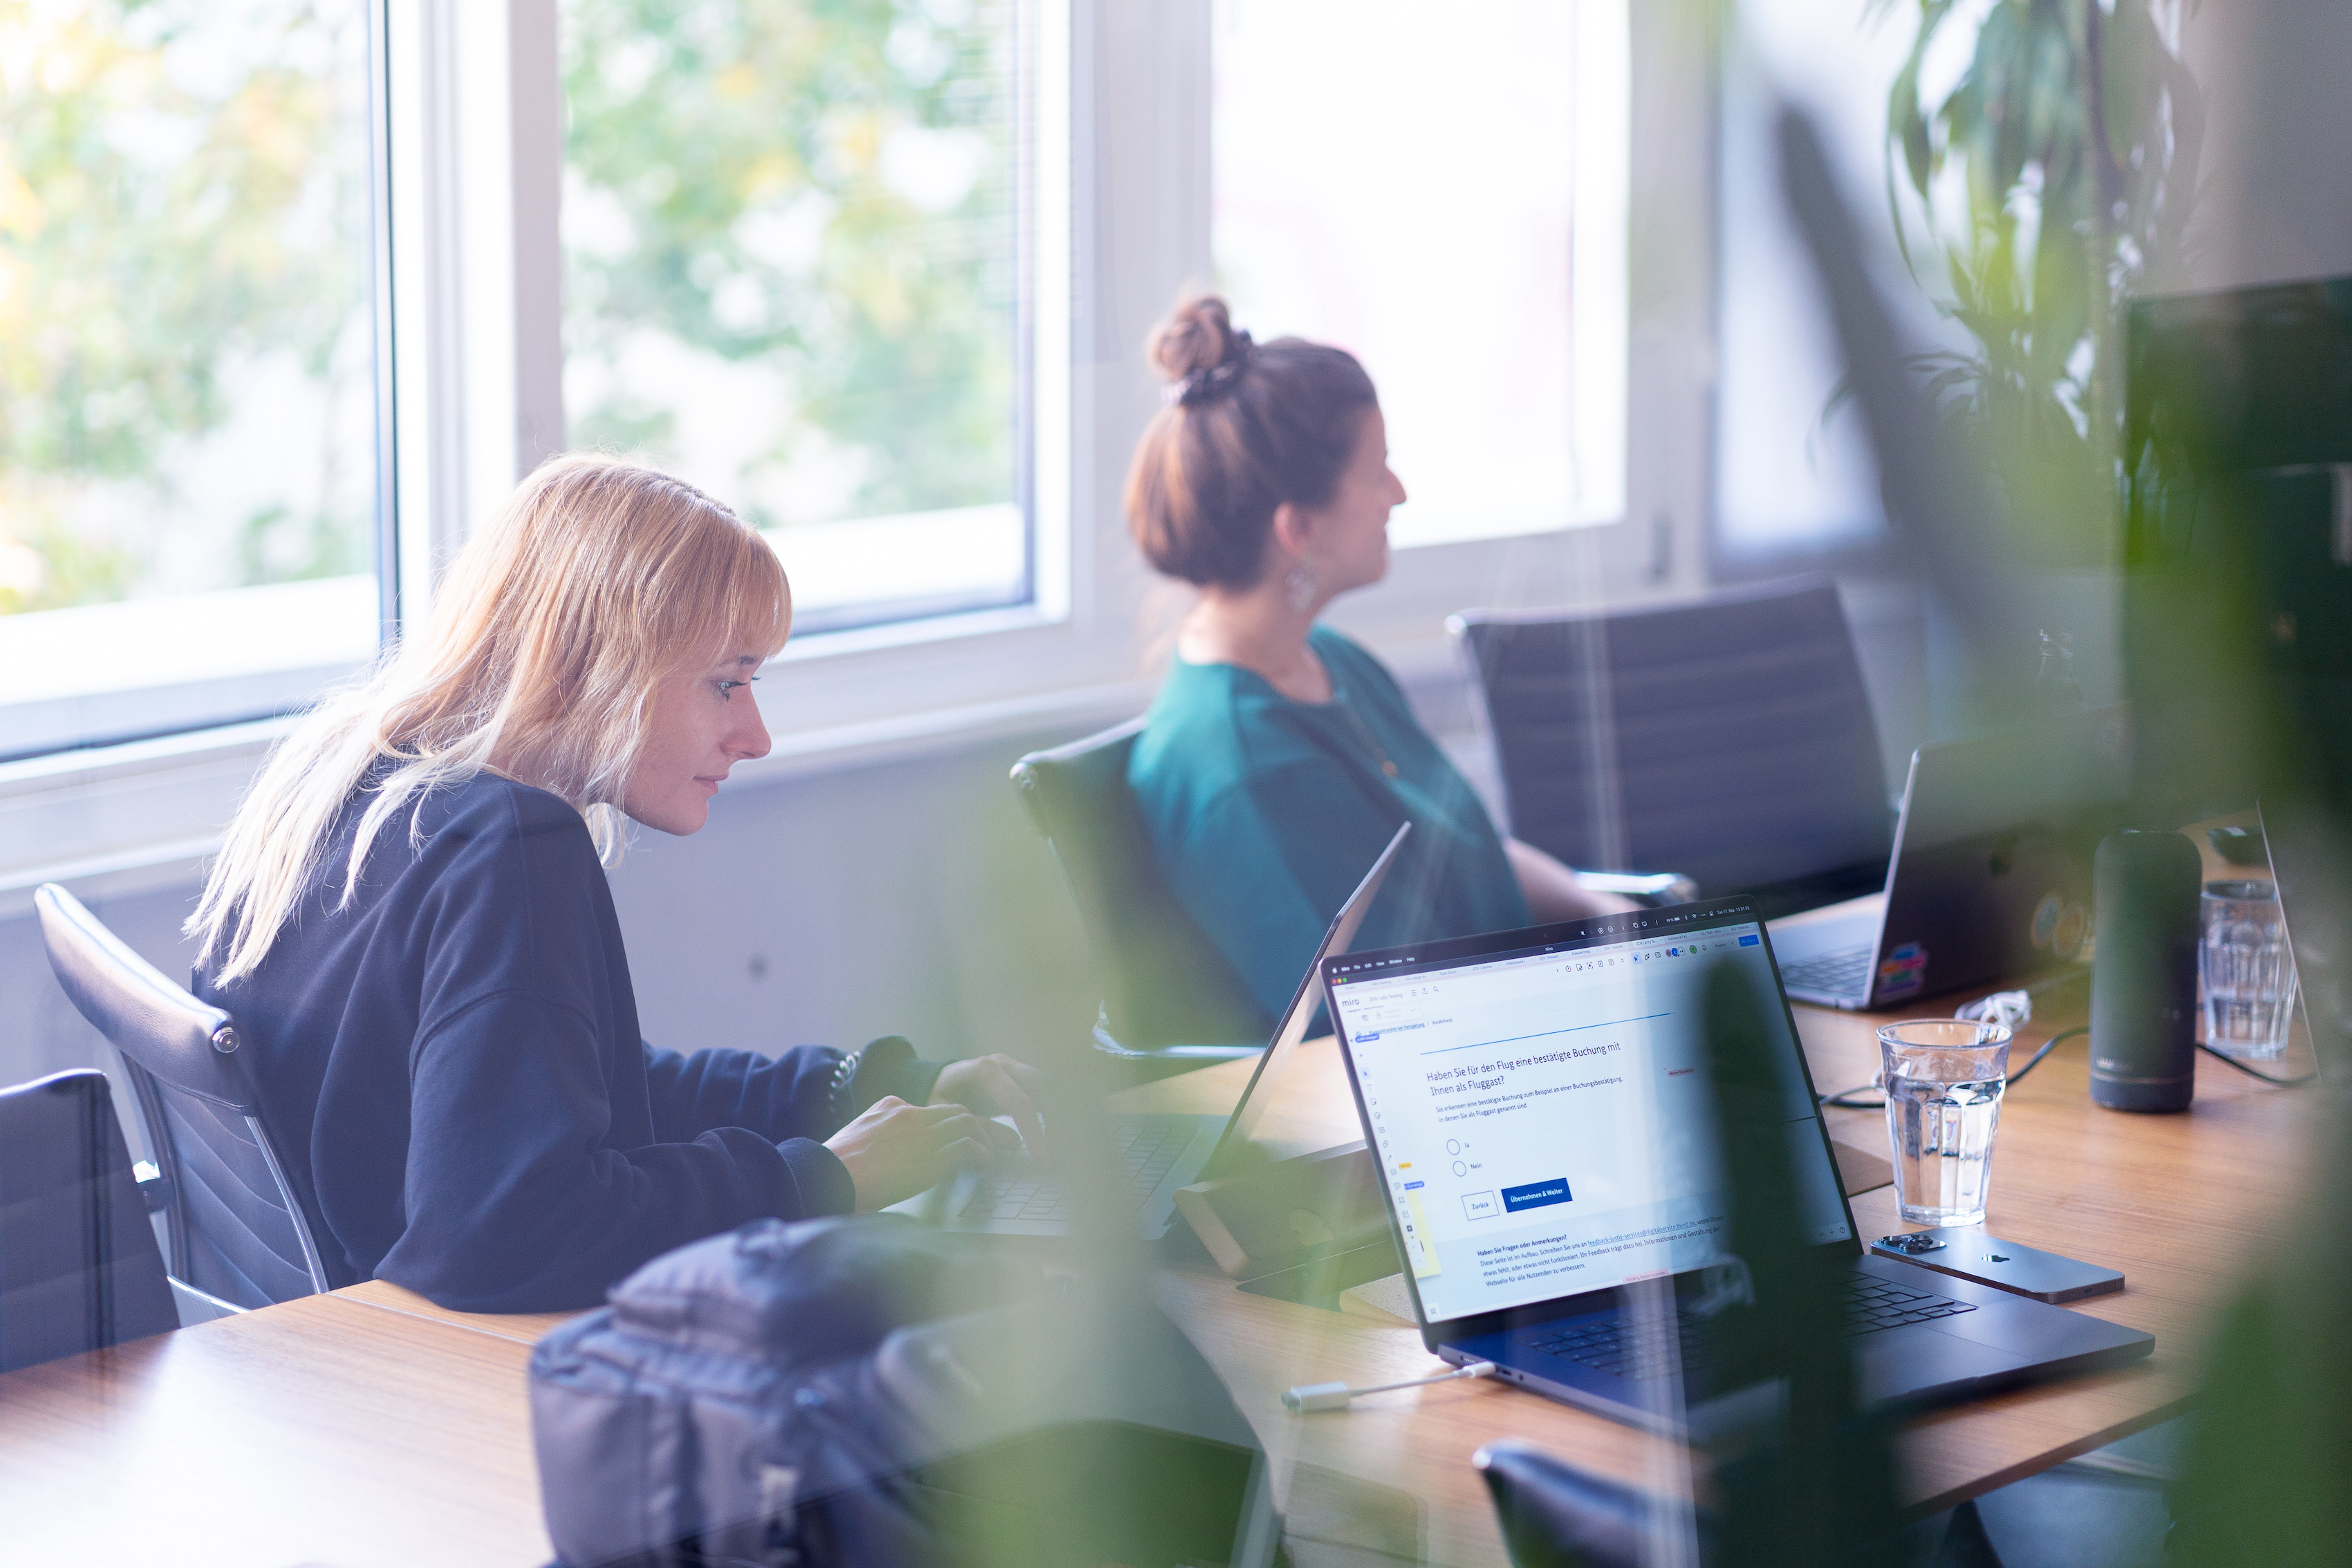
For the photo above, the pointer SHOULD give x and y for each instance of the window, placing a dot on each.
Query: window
(189, 482)
(796, 272)
(1358, 144)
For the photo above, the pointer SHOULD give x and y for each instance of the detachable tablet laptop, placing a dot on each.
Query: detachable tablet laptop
(1162, 1152)
(1538, 1105)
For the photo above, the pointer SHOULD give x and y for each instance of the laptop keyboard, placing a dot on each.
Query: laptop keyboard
(1148, 1150)
(1635, 1348)
(1841, 973)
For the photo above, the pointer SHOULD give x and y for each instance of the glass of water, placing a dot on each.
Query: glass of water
(1943, 1078)
(2246, 970)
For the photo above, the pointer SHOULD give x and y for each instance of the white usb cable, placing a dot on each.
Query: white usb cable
(1312, 1396)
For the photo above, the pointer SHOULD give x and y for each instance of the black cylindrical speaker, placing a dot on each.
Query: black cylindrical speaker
(2144, 889)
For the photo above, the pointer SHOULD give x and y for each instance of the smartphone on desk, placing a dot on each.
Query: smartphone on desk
(1967, 1252)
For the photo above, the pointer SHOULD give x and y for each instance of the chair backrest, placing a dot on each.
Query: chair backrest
(79, 1266)
(1730, 739)
(1553, 1514)
(238, 1230)
(1164, 984)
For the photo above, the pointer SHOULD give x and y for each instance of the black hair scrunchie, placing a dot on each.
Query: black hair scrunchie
(1203, 384)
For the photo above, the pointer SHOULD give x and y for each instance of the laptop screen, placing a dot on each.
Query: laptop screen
(1337, 937)
(1540, 1112)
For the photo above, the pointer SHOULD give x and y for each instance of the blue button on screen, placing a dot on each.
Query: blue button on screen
(1749, 941)
(1536, 1195)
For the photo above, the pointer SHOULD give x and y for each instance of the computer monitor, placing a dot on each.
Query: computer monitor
(2238, 528)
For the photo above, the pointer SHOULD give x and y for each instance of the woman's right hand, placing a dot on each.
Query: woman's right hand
(895, 1149)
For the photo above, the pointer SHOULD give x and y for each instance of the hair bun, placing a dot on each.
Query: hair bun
(1198, 335)
(1198, 352)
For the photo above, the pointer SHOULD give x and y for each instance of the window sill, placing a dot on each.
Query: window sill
(120, 820)
(115, 820)
(917, 632)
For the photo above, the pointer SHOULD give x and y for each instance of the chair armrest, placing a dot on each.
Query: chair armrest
(154, 1187)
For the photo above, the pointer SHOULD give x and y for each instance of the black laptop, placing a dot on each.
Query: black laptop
(1537, 1103)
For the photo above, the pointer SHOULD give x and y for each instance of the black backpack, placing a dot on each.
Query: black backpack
(871, 1392)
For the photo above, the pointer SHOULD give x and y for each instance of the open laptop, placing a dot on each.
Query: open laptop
(1536, 1102)
(1162, 1152)
(1990, 873)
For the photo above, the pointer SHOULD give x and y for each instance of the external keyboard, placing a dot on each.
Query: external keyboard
(1635, 1348)
(1148, 1150)
(1842, 973)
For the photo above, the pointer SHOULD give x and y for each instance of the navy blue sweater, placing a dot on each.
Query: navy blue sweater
(452, 1067)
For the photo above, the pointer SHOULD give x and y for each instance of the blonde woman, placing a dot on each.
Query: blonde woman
(410, 921)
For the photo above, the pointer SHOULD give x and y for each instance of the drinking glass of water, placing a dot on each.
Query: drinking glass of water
(2245, 969)
(1943, 1080)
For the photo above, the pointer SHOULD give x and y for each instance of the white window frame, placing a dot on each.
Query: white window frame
(1122, 188)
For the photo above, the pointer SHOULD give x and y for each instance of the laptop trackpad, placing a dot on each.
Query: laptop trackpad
(1896, 1362)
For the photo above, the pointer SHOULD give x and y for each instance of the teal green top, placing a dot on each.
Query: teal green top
(1266, 812)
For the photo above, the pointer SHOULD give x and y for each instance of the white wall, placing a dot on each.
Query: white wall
(2275, 202)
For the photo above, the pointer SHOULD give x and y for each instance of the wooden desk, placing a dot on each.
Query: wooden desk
(522, 1327)
(2178, 1203)
(334, 1429)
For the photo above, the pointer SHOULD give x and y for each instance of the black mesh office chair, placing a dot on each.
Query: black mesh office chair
(238, 1233)
(1730, 738)
(78, 1266)
(1169, 997)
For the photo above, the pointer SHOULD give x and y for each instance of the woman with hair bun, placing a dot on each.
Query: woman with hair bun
(1279, 756)
(410, 922)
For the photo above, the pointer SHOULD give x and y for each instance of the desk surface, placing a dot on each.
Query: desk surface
(370, 1427)
(327, 1430)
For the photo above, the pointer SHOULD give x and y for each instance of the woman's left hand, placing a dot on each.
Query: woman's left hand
(997, 1085)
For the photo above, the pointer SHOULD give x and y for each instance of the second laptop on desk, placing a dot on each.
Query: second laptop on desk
(1991, 874)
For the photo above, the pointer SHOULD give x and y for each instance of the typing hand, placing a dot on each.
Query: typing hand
(996, 1086)
(895, 1149)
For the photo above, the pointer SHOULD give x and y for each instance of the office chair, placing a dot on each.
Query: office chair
(79, 1266)
(1169, 998)
(1554, 1515)
(238, 1233)
(1731, 738)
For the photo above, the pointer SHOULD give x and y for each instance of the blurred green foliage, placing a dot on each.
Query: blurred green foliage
(183, 194)
(822, 188)
(2061, 164)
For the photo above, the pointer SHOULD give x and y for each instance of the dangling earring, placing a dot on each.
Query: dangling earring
(1300, 586)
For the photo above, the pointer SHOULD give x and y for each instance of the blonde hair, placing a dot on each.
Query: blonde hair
(597, 579)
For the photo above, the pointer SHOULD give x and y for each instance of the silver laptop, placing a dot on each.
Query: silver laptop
(1162, 1152)
(1990, 873)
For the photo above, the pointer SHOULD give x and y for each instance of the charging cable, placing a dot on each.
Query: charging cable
(2255, 1072)
(1312, 1396)
(2010, 1008)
